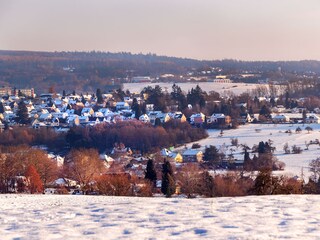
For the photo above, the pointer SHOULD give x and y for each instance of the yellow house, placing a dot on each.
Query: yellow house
(177, 157)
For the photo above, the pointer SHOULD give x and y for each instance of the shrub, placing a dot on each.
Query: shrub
(234, 142)
(196, 146)
(231, 185)
(296, 149)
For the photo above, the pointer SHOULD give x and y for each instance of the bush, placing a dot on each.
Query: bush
(231, 185)
(296, 149)
(196, 146)
(234, 142)
(144, 189)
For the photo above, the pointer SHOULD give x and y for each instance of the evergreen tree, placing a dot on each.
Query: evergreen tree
(1, 108)
(196, 96)
(247, 163)
(157, 122)
(168, 182)
(156, 97)
(287, 100)
(136, 108)
(99, 96)
(207, 185)
(212, 155)
(178, 96)
(83, 100)
(151, 173)
(22, 113)
(261, 147)
(251, 111)
(304, 115)
(272, 102)
(265, 111)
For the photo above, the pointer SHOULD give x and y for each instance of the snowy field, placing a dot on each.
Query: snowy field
(222, 88)
(254, 133)
(100, 217)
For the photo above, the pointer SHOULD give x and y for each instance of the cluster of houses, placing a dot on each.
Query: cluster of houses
(52, 110)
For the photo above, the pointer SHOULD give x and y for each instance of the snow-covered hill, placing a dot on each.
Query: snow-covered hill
(100, 217)
(225, 89)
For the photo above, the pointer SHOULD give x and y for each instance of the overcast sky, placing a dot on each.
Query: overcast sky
(201, 29)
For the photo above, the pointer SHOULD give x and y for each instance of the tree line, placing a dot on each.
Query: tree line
(134, 134)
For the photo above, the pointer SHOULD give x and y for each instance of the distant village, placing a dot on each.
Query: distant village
(62, 112)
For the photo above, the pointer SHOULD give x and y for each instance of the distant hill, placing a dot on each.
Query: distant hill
(87, 71)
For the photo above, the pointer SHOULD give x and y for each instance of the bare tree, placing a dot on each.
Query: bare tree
(84, 166)
(286, 148)
(189, 178)
(314, 167)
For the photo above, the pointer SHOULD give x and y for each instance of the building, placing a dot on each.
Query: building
(280, 118)
(140, 79)
(198, 118)
(144, 118)
(312, 118)
(219, 119)
(122, 106)
(192, 155)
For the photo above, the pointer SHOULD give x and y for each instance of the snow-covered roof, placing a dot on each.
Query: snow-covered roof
(191, 152)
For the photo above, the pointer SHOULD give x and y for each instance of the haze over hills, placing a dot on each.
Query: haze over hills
(87, 71)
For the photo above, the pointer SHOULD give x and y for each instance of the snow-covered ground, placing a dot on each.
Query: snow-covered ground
(222, 88)
(254, 133)
(100, 217)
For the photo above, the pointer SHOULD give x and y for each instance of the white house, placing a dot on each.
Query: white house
(87, 112)
(73, 120)
(144, 118)
(312, 118)
(197, 118)
(83, 119)
(122, 106)
(280, 118)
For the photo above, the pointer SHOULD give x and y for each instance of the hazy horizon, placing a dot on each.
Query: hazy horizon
(208, 29)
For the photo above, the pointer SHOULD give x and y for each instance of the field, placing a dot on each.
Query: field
(254, 133)
(225, 89)
(100, 217)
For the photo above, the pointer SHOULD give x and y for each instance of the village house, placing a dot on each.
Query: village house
(176, 157)
(122, 106)
(87, 111)
(144, 118)
(192, 155)
(178, 116)
(280, 118)
(312, 118)
(245, 118)
(197, 119)
(219, 119)
(163, 117)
